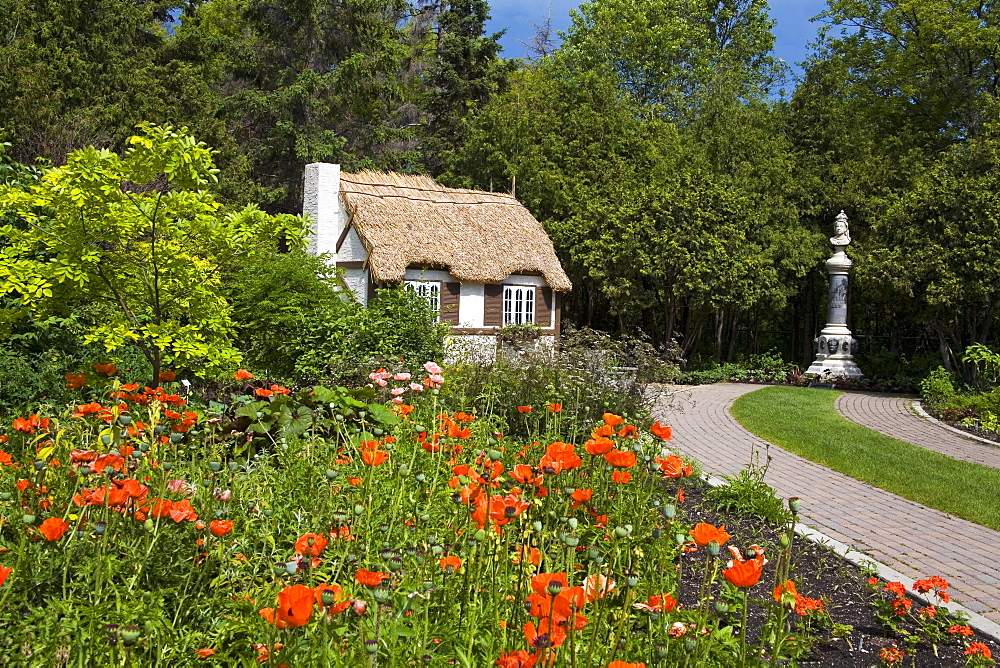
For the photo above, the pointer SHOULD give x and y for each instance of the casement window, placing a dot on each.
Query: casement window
(518, 305)
(429, 290)
(442, 297)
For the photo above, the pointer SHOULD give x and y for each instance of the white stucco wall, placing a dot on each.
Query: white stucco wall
(357, 282)
(472, 305)
(352, 250)
(321, 202)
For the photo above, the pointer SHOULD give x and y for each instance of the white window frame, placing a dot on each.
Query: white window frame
(428, 290)
(518, 304)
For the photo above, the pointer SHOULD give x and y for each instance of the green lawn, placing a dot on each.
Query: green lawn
(805, 422)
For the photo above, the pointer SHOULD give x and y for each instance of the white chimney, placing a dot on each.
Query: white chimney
(321, 202)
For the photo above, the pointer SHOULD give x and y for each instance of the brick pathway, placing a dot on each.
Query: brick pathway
(892, 415)
(915, 540)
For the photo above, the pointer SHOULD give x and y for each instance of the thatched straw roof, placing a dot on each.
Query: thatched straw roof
(479, 236)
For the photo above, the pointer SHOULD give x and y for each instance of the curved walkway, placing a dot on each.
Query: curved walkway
(894, 416)
(915, 540)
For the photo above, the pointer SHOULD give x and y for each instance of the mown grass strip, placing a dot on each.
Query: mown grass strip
(804, 421)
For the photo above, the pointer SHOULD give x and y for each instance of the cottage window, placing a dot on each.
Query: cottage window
(518, 305)
(429, 290)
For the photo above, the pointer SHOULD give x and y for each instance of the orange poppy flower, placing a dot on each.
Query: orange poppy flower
(311, 544)
(673, 466)
(243, 374)
(542, 637)
(74, 381)
(565, 454)
(524, 409)
(335, 594)
(450, 564)
(220, 528)
(525, 475)
(621, 477)
(182, 510)
(599, 446)
(555, 408)
(205, 653)
(596, 587)
(369, 578)
(295, 607)
(372, 455)
(663, 431)
(657, 604)
(530, 554)
(604, 430)
(167, 376)
(518, 659)
(4, 573)
(261, 392)
(743, 573)
(703, 534)
(613, 420)
(621, 459)
(108, 369)
(746, 572)
(628, 431)
(53, 528)
(624, 664)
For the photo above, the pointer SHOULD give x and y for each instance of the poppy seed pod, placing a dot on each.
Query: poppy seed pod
(130, 635)
(713, 548)
(631, 579)
(793, 504)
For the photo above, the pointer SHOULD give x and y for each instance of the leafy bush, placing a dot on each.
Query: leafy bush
(938, 386)
(746, 493)
(767, 367)
(295, 324)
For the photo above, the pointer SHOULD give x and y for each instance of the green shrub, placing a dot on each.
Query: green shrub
(746, 493)
(938, 386)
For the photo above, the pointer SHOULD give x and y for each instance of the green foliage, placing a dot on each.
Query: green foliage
(294, 322)
(938, 386)
(746, 493)
(140, 234)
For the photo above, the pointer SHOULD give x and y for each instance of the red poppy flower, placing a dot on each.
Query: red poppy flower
(311, 544)
(450, 564)
(525, 475)
(53, 528)
(664, 431)
(205, 653)
(182, 510)
(243, 374)
(333, 593)
(261, 392)
(108, 369)
(745, 572)
(5, 458)
(544, 635)
(703, 534)
(372, 455)
(220, 528)
(518, 659)
(524, 409)
(599, 446)
(613, 420)
(673, 466)
(565, 454)
(4, 573)
(621, 459)
(621, 477)
(657, 604)
(74, 381)
(295, 607)
(369, 579)
(980, 649)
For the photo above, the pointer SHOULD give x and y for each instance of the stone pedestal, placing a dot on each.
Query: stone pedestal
(835, 346)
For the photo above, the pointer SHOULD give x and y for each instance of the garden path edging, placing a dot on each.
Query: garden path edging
(981, 624)
(919, 410)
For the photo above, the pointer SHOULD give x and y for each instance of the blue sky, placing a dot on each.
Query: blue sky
(793, 31)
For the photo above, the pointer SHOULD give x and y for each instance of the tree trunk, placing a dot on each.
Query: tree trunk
(733, 334)
(720, 325)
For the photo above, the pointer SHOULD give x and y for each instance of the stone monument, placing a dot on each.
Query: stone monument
(835, 346)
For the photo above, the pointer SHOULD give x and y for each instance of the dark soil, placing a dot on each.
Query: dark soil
(818, 573)
(947, 419)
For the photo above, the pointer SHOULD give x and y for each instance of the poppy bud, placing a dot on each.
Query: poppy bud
(106, 439)
(680, 538)
(425, 518)
(130, 635)
(480, 535)
(785, 541)
(149, 525)
(669, 511)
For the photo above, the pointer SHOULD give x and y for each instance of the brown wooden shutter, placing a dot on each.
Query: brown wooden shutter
(493, 314)
(543, 308)
(450, 293)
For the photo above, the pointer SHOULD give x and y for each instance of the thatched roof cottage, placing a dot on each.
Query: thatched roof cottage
(481, 258)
